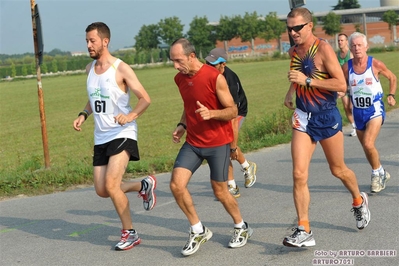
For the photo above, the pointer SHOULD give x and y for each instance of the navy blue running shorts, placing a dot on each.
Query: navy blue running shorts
(318, 126)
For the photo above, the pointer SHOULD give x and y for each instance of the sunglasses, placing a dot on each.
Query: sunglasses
(297, 28)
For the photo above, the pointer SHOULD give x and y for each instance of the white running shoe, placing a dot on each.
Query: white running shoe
(240, 236)
(129, 239)
(300, 238)
(250, 174)
(235, 191)
(362, 213)
(195, 240)
(147, 193)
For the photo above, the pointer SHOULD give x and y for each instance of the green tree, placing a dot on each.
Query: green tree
(227, 29)
(71, 64)
(24, 70)
(332, 25)
(54, 66)
(43, 68)
(63, 65)
(8, 62)
(271, 27)
(13, 70)
(346, 4)
(32, 68)
(147, 39)
(128, 58)
(163, 55)
(201, 35)
(56, 51)
(249, 28)
(28, 59)
(170, 29)
(390, 17)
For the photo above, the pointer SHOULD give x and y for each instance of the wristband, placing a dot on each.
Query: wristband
(233, 150)
(183, 125)
(393, 95)
(84, 114)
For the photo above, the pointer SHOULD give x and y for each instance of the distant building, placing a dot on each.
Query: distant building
(79, 53)
(126, 49)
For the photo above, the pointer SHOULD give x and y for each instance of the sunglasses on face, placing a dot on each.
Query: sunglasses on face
(297, 28)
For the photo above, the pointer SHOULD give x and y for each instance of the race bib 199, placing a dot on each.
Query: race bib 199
(362, 98)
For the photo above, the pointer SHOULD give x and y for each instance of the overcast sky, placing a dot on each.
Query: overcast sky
(64, 21)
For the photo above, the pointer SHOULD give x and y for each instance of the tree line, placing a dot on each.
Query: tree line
(152, 41)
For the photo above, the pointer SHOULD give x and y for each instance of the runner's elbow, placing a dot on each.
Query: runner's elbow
(342, 87)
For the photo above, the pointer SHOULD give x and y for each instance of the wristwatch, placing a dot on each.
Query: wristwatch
(308, 80)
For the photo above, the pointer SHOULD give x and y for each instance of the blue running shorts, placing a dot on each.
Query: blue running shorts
(318, 126)
(363, 116)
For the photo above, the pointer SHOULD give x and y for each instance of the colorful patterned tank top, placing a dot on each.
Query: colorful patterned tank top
(310, 99)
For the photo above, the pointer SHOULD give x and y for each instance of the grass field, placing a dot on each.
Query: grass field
(21, 152)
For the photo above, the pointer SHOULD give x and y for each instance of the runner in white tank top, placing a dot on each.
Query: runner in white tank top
(109, 84)
(107, 100)
(362, 75)
(366, 95)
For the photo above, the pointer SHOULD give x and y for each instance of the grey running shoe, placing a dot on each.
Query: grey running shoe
(129, 239)
(240, 236)
(384, 179)
(250, 175)
(235, 191)
(362, 213)
(300, 238)
(147, 192)
(195, 240)
(378, 182)
(375, 183)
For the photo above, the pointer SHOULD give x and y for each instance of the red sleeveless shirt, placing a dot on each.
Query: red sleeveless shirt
(202, 87)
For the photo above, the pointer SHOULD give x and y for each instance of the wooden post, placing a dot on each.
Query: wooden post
(39, 82)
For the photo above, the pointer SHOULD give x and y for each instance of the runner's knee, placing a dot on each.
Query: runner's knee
(300, 178)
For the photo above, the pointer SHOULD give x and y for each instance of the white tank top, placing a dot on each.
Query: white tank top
(365, 88)
(107, 100)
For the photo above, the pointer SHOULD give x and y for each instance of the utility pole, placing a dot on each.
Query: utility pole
(38, 44)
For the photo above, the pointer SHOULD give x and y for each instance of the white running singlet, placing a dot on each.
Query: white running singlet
(366, 94)
(365, 88)
(107, 100)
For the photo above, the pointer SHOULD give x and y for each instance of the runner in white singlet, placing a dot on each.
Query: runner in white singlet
(109, 85)
(362, 75)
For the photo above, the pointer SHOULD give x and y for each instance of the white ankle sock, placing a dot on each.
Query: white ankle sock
(232, 183)
(378, 171)
(239, 225)
(245, 164)
(197, 228)
(381, 170)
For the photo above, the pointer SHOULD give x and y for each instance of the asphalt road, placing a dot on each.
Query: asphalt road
(79, 228)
